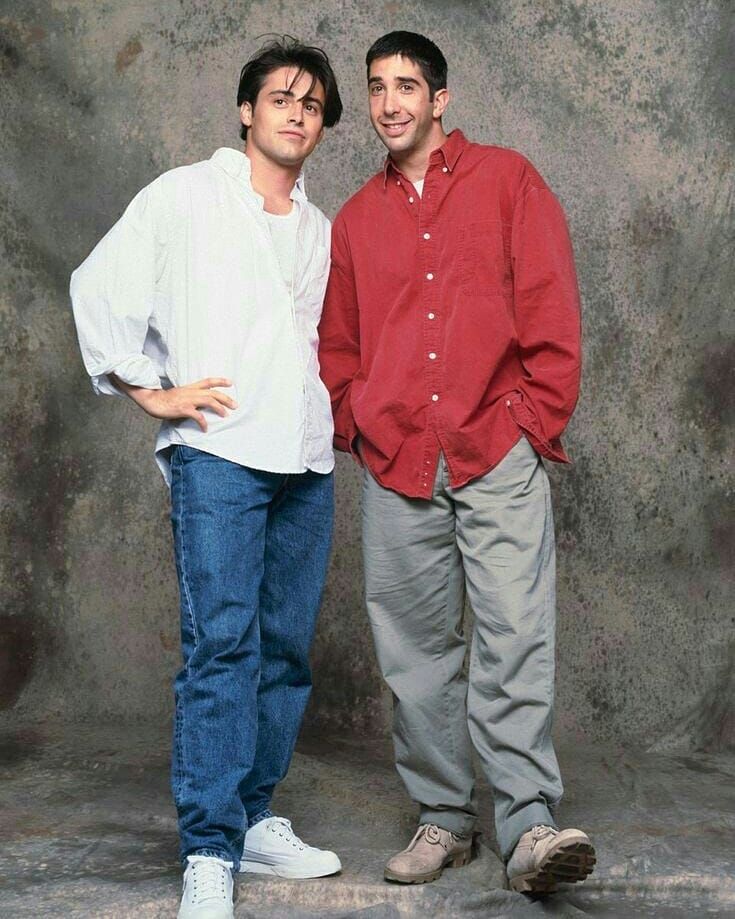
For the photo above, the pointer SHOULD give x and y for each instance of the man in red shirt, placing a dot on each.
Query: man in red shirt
(450, 344)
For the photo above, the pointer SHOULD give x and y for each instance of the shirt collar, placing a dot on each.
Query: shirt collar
(237, 164)
(448, 153)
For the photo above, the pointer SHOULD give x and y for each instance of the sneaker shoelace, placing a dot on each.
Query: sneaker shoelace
(208, 878)
(282, 828)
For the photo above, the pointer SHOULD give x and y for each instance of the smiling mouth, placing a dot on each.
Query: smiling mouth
(293, 134)
(395, 128)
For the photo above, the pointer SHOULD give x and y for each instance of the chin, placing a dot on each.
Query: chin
(398, 144)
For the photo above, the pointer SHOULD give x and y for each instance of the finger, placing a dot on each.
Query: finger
(223, 398)
(209, 382)
(211, 403)
(200, 420)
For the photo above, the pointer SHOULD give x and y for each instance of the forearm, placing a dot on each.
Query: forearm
(141, 395)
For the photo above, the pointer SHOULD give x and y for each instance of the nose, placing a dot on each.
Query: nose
(296, 113)
(391, 103)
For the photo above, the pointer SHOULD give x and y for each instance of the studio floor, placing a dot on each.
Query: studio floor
(88, 829)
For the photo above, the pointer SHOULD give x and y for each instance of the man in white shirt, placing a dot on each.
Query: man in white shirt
(202, 304)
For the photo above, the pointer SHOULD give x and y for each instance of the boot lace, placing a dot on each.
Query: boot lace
(433, 835)
(542, 832)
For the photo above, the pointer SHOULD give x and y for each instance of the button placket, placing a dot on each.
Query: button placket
(431, 329)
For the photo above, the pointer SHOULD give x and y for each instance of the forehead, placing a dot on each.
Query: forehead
(391, 68)
(283, 78)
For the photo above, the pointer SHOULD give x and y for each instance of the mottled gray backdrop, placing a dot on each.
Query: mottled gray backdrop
(625, 107)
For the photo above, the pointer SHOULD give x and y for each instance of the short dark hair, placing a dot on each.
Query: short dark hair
(286, 51)
(423, 52)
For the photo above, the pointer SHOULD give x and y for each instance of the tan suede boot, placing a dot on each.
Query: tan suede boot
(544, 856)
(430, 851)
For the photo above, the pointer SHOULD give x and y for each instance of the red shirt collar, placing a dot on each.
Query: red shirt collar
(448, 153)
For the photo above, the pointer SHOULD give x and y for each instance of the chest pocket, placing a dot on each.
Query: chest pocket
(484, 262)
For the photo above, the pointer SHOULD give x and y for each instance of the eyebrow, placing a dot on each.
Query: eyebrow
(397, 80)
(287, 92)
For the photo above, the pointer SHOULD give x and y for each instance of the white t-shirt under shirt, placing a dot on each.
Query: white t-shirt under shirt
(419, 186)
(283, 229)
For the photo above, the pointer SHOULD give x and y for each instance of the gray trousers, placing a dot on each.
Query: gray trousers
(493, 537)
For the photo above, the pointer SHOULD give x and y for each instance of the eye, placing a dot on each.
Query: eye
(278, 100)
(406, 88)
(311, 108)
(376, 89)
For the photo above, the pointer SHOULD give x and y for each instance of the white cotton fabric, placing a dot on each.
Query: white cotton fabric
(187, 285)
(284, 233)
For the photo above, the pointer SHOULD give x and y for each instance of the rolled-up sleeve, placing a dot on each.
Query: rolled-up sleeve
(112, 294)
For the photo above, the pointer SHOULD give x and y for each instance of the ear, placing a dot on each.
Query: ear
(441, 101)
(246, 114)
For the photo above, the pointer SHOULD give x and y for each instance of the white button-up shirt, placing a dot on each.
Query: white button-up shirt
(187, 285)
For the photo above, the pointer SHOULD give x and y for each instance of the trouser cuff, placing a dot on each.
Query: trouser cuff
(261, 815)
(212, 853)
(458, 822)
(521, 822)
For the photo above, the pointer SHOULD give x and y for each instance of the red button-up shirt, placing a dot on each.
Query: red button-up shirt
(451, 320)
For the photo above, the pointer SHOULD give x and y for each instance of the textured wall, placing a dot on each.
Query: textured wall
(625, 107)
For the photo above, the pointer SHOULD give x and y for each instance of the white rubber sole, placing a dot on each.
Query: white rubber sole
(322, 869)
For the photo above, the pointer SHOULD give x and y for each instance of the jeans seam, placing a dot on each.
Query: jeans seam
(189, 608)
(184, 574)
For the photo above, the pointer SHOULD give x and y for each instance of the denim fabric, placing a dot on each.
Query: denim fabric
(252, 549)
(263, 815)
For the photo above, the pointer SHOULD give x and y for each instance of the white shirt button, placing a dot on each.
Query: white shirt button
(431, 315)
(427, 235)
(398, 182)
(429, 277)
(410, 200)
(507, 401)
(435, 398)
(432, 356)
(445, 169)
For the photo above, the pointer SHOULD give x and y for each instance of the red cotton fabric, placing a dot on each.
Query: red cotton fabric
(451, 320)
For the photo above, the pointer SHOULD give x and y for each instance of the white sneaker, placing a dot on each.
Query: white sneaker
(207, 889)
(272, 847)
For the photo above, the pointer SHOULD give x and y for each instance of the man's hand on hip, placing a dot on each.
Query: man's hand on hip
(181, 401)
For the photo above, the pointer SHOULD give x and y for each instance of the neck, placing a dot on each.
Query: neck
(271, 180)
(414, 163)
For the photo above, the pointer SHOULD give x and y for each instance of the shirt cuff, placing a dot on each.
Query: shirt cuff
(347, 443)
(137, 370)
(528, 422)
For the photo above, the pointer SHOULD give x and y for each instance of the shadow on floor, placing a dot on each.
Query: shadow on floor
(89, 830)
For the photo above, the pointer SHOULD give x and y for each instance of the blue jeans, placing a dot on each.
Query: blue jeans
(251, 550)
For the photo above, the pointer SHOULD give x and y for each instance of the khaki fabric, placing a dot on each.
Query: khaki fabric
(493, 538)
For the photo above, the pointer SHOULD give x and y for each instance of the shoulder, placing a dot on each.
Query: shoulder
(168, 192)
(514, 168)
(181, 178)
